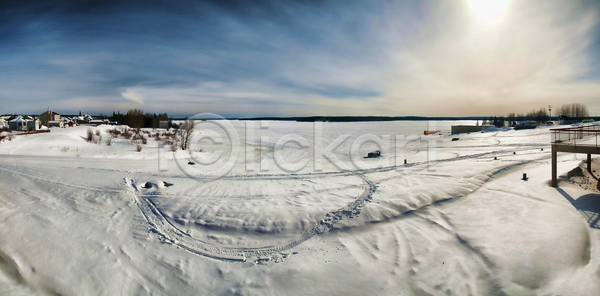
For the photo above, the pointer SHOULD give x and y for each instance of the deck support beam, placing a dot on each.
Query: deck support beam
(589, 162)
(554, 179)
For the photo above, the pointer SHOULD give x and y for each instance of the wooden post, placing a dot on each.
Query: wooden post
(554, 180)
(589, 162)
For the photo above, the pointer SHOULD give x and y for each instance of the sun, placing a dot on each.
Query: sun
(487, 11)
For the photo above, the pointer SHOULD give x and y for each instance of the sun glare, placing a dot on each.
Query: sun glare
(486, 11)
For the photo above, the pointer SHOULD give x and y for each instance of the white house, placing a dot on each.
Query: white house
(24, 123)
(3, 123)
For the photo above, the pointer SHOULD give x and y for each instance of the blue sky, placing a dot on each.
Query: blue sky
(290, 58)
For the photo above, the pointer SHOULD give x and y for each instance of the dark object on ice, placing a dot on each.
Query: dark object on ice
(495, 158)
(525, 125)
(542, 149)
(524, 177)
(455, 139)
(147, 185)
(167, 184)
(374, 154)
(405, 161)
(191, 163)
(514, 153)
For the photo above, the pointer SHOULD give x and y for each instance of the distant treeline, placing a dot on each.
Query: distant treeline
(574, 111)
(359, 118)
(136, 118)
(568, 111)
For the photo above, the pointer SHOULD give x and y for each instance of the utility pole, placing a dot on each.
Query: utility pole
(550, 110)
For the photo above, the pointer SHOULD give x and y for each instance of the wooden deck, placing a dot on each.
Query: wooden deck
(580, 139)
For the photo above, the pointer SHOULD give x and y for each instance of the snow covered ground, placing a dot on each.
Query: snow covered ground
(75, 218)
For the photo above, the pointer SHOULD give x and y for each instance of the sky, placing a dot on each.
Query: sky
(299, 58)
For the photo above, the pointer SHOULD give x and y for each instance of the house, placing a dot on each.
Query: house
(3, 123)
(24, 123)
(67, 121)
(83, 119)
(99, 121)
(49, 116)
(56, 123)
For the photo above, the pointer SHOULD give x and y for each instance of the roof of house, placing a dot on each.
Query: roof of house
(19, 118)
(23, 118)
(46, 112)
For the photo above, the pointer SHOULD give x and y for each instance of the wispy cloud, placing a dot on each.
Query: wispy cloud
(133, 97)
(241, 58)
(534, 55)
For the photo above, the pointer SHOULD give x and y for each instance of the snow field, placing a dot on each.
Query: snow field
(452, 221)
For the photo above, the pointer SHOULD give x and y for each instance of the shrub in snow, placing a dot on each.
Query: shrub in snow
(90, 135)
(138, 148)
(114, 132)
(127, 134)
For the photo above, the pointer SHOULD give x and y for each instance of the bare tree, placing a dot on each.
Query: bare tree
(574, 110)
(185, 132)
(579, 110)
(564, 111)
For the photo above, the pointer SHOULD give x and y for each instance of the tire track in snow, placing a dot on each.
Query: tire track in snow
(169, 233)
(33, 138)
(490, 175)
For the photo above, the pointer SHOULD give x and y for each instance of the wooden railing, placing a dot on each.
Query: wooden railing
(587, 135)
